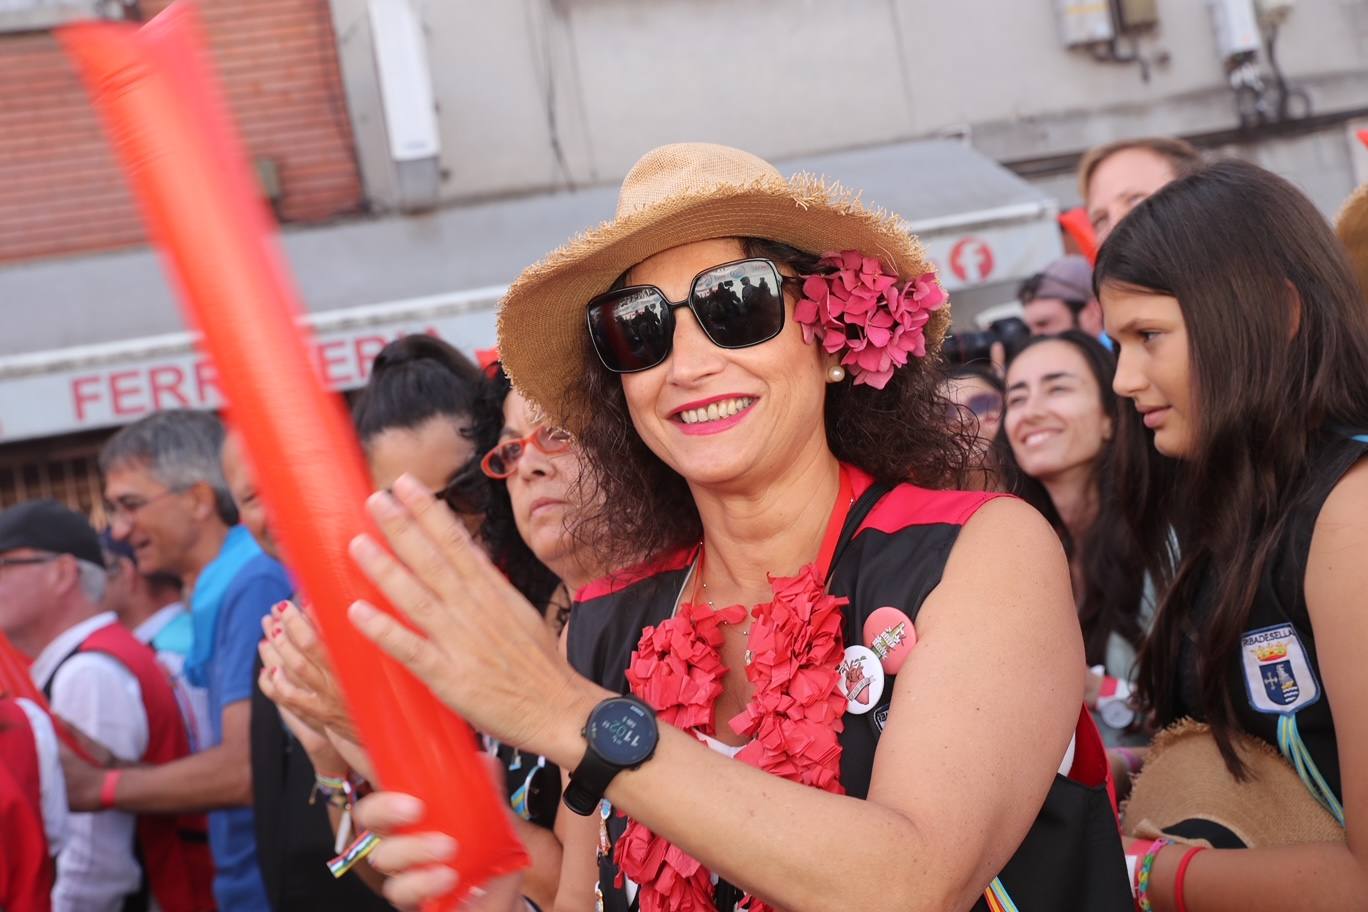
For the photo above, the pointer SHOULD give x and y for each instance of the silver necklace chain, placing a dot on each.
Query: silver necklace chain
(745, 633)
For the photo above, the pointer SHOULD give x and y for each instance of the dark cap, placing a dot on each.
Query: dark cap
(1068, 278)
(46, 525)
(117, 547)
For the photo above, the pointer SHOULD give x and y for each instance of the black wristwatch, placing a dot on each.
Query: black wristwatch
(622, 735)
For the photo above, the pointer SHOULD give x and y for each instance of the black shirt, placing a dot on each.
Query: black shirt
(1275, 670)
(294, 838)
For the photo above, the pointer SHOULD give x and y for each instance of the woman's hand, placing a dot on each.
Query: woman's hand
(487, 653)
(353, 754)
(326, 759)
(296, 674)
(416, 864)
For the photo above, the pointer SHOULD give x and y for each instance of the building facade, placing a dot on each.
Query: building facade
(420, 152)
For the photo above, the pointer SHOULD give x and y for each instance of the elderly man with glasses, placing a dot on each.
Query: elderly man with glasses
(167, 499)
(108, 686)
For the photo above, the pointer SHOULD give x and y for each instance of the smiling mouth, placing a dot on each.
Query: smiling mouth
(715, 411)
(1036, 437)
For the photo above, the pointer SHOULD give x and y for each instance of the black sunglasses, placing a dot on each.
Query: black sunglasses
(467, 492)
(737, 304)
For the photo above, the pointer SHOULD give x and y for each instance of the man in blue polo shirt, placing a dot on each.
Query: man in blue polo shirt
(167, 498)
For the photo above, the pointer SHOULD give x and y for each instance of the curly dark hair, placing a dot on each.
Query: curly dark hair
(896, 434)
(505, 544)
(1110, 557)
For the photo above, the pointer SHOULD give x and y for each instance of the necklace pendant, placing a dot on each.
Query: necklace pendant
(749, 657)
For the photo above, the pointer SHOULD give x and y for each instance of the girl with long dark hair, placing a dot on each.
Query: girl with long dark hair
(1244, 345)
(1060, 445)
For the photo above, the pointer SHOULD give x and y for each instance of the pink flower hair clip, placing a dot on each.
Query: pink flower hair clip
(858, 309)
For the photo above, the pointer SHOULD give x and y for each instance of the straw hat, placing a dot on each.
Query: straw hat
(1186, 793)
(1352, 227)
(676, 195)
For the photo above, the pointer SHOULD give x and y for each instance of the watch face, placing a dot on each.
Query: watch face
(622, 732)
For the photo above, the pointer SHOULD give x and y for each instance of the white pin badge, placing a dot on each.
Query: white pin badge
(861, 679)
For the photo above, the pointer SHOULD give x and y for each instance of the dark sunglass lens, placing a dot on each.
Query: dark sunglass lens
(985, 404)
(467, 494)
(741, 304)
(631, 329)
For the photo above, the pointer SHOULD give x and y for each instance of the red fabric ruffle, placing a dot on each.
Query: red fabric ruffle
(794, 718)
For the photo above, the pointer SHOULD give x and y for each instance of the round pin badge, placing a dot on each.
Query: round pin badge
(861, 679)
(890, 636)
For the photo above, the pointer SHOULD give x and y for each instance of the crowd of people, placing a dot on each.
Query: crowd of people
(762, 606)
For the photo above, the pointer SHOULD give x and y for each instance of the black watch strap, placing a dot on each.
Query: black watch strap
(588, 783)
(620, 733)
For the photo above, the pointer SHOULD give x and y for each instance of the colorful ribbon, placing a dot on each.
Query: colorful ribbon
(1292, 746)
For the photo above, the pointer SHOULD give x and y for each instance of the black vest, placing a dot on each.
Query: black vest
(1273, 678)
(1071, 858)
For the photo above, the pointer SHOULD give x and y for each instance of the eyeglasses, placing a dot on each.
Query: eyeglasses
(129, 505)
(23, 561)
(502, 461)
(737, 304)
(983, 405)
(467, 492)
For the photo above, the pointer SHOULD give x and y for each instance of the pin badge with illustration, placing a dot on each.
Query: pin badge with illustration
(890, 636)
(861, 679)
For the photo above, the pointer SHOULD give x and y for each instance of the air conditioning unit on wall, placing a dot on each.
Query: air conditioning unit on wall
(401, 66)
(39, 15)
(1091, 22)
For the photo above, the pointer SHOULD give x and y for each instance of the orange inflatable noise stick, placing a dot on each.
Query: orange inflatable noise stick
(1076, 223)
(170, 127)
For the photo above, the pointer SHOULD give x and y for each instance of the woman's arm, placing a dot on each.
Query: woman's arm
(579, 869)
(996, 664)
(1310, 878)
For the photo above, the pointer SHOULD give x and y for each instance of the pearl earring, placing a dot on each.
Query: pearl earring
(835, 373)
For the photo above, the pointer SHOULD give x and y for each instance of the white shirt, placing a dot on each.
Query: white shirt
(96, 867)
(147, 631)
(192, 701)
(51, 781)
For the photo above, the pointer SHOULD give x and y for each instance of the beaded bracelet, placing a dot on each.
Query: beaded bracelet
(336, 790)
(1142, 877)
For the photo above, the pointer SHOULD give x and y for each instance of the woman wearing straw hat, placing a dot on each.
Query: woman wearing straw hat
(1244, 343)
(830, 687)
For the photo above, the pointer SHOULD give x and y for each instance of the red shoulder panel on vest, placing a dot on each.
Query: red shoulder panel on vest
(910, 505)
(616, 582)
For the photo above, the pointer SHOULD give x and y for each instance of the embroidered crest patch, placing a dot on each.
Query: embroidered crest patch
(1278, 676)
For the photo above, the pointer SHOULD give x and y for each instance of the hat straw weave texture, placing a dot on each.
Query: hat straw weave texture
(675, 195)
